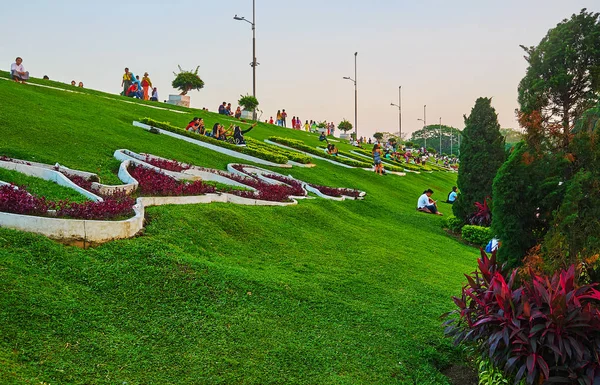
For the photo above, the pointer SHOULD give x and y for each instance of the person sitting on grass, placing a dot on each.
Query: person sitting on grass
(193, 125)
(133, 91)
(238, 134)
(453, 195)
(426, 204)
(322, 137)
(222, 132)
(17, 71)
(238, 113)
(201, 129)
(154, 97)
(332, 149)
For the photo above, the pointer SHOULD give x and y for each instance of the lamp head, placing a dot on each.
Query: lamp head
(347, 77)
(236, 17)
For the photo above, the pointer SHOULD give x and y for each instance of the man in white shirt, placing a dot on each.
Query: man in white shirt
(426, 204)
(17, 71)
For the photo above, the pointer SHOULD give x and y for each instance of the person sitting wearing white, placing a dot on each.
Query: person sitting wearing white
(426, 204)
(17, 71)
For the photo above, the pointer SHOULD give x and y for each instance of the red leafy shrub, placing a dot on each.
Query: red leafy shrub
(296, 186)
(116, 206)
(19, 201)
(336, 192)
(170, 165)
(155, 183)
(80, 181)
(8, 159)
(546, 329)
(482, 215)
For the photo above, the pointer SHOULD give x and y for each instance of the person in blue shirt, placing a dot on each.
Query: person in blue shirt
(453, 195)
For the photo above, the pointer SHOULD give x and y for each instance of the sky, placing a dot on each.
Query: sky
(444, 54)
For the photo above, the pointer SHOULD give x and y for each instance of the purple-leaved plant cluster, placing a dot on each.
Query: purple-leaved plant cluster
(18, 201)
(154, 183)
(336, 192)
(169, 165)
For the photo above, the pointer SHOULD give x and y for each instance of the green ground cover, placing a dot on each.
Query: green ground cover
(320, 293)
(40, 187)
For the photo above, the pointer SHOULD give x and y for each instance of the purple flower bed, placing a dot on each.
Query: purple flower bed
(294, 184)
(170, 165)
(155, 183)
(19, 201)
(336, 192)
(116, 206)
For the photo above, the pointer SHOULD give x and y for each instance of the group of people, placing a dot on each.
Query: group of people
(427, 205)
(225, 109)
(134, 88)
(74, 84)
(219, 132)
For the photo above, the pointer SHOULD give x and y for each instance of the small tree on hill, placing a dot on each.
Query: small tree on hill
(249, 102)
(378, 135)
(186, 81)
(345, 125)
(481, 155)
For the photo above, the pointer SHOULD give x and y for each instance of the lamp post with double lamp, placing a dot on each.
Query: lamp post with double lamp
(399, 105)
(254, 63)
(424, 120)
(355, 98)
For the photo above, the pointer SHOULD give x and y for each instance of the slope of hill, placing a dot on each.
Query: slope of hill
(320, 293)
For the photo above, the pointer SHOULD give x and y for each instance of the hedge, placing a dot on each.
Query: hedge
(453, 224)
(292, 155)
(477, 235)
(258, 153)
(401, 166)
(299, 145)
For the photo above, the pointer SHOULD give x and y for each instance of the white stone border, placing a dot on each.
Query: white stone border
(213, 147)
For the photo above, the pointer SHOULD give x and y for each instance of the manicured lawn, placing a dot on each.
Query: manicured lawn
(320, 293)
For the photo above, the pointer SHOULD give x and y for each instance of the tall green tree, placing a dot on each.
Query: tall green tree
(481, 155)
(432, 134)
(563, 77)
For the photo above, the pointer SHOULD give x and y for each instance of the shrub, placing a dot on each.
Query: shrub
(453, 224)
(482, 215)
(249, 102)
(547, 329)
(477, 235)
(337, 192)
(481, 155)
(170, 165)
(186, 81)
(291, 155)
(259, 153)
(117, 206)
(18, 201)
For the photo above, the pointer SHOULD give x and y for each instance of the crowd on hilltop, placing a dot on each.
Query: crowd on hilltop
(134, 88)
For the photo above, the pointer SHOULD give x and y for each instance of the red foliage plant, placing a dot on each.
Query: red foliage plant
(337, 192)
(19, 201)
(546, 329)
(483, 214)
(154, 183)
(170, 165)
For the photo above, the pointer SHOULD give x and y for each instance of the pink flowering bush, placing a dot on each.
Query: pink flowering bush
(170, 165)
(155, 183)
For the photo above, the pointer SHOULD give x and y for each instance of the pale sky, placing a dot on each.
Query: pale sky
(443, 53)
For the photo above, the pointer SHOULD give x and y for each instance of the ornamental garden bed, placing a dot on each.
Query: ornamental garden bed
(299, 145)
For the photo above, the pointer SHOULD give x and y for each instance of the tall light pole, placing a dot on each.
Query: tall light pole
(355, 97)
(451, 139)
(399, 105)
(440, 135)
(254, 63)
(424, 120)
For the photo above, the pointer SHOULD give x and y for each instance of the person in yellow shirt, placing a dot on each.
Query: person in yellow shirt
(126, 83)
(146, 83)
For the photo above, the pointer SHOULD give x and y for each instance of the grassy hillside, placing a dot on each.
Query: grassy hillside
(320, 293)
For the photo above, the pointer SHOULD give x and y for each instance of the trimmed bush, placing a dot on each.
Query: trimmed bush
(291, 155)
(299, 145)
(476, 235)
(259, 153)
(453, 224)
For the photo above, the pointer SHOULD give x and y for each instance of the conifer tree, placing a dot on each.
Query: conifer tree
(481, 155)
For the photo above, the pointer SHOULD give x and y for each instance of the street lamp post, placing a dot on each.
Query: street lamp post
(424, 120)
(355, 97)
(399, 105)
(440, 135)
(254, 63)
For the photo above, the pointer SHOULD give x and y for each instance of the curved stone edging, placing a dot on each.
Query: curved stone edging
(213, 147)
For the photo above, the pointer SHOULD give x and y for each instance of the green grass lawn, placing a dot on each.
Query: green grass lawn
(319, 293)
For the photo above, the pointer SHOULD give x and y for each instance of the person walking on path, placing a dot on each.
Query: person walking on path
(306, 126)
(17, 71)
(126, 83)
(146, 83)
(283, 117)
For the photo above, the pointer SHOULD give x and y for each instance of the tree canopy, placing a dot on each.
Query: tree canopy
(432, 134)
(186, 81)
(563, 77)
